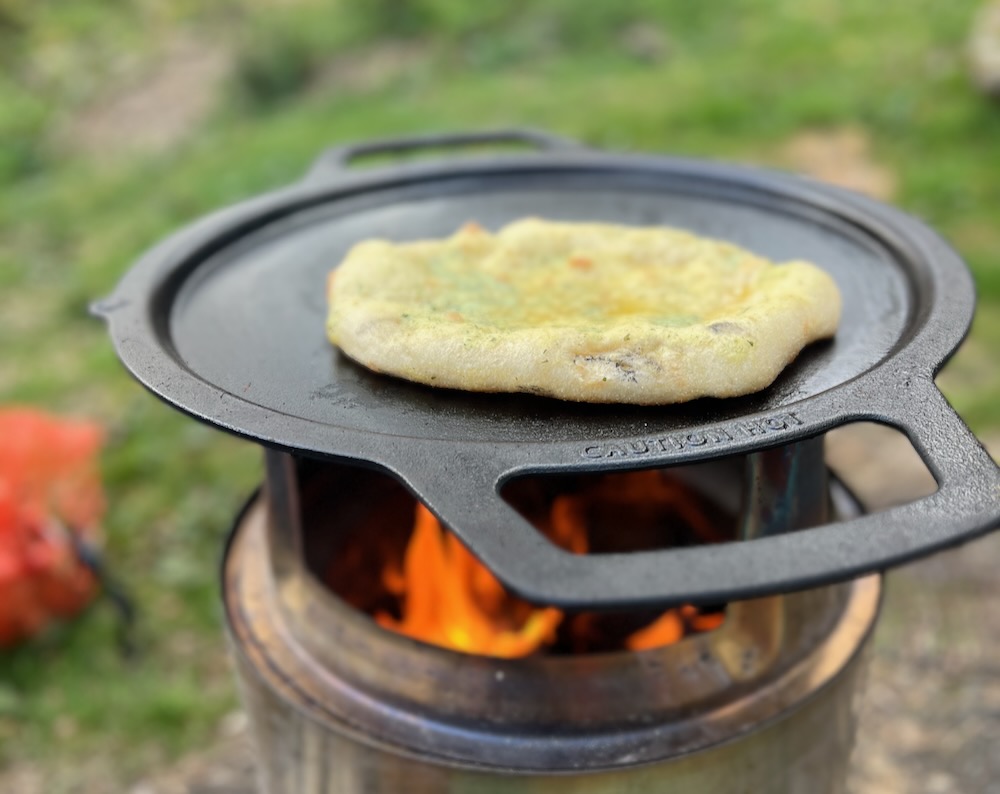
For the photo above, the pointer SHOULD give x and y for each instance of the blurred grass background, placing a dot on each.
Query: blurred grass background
(120, 121)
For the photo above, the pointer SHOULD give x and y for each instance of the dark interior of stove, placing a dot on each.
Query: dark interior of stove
(628, 511)
(359, 524)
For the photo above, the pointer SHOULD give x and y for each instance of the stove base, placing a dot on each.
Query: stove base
(783, 735)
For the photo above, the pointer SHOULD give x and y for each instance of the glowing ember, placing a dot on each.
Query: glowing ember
(666, 629)
(673, 625)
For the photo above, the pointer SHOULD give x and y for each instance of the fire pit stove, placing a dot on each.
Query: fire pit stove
(341, 705)
(225, 321)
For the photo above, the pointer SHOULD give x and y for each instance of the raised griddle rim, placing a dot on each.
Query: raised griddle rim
(461, 480)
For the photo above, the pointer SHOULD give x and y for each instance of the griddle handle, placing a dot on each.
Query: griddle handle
(338, 159)
(966, 503)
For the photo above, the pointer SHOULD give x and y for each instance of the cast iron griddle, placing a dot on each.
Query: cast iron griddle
(225, 320)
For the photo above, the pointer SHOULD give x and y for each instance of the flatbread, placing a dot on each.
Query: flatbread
(580, 311)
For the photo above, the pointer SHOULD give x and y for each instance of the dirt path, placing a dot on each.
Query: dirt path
(167, 101)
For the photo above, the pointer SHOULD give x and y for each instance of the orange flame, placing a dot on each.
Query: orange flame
(449, 599)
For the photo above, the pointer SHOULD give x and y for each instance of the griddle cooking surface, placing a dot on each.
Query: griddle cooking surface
(251, 319)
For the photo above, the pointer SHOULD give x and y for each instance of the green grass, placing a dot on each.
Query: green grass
(734, 82)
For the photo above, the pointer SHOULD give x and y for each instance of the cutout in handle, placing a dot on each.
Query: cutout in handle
(465, 495)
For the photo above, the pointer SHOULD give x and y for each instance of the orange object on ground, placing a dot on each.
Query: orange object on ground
(51, 501)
